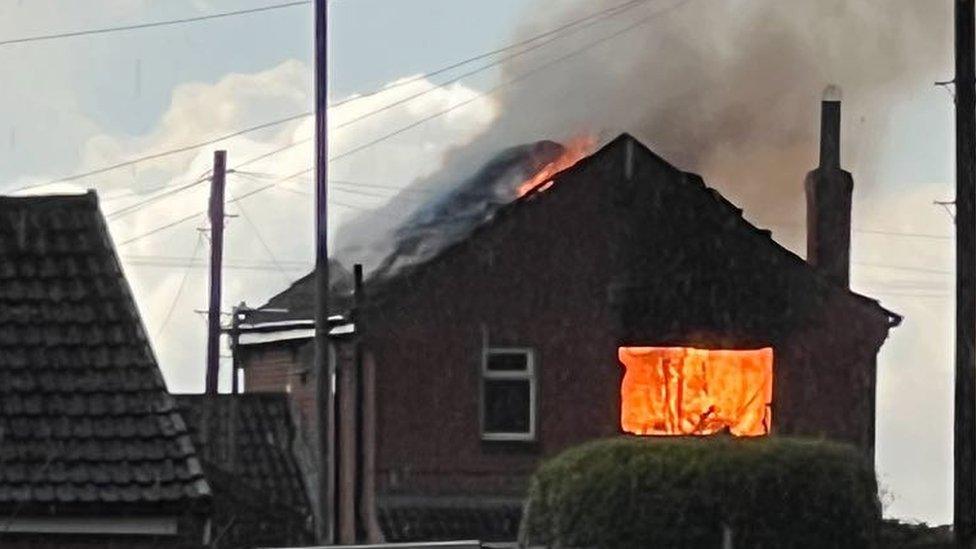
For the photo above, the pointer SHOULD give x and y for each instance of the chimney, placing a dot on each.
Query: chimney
(829, 189)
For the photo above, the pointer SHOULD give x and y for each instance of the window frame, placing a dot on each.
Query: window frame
(529, 375)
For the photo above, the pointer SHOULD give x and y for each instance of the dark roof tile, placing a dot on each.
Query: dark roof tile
(84, 415)
(249, 437)
(87, 492)
(497, 522)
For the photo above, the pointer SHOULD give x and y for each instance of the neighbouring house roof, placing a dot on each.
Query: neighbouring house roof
(297, 302)
(445, 520)
(85, 418)
(249, 436)
(260, 333)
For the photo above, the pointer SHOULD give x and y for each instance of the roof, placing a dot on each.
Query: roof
(434, 520)
(260, 333)
(249, 436)
(726, 213)
(85, 417)
(297, 302)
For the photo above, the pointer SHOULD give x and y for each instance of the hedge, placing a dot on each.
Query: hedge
(685, 492)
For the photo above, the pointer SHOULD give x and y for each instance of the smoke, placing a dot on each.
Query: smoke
(729, 89)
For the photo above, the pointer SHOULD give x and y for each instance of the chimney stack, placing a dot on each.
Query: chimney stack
(829, 189)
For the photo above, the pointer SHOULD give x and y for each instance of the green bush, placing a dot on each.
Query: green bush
(682, 492)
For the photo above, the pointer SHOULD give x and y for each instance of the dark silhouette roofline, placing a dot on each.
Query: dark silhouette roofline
(78, 372)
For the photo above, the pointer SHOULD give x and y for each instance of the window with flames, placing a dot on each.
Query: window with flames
(687, 391)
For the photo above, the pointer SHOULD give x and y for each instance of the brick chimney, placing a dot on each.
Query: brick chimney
(829, 189)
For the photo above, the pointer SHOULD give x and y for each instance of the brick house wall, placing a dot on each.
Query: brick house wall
(282, 367)
(623, 250)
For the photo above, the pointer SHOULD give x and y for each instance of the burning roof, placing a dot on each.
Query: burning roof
(463, 206)
(705, 204)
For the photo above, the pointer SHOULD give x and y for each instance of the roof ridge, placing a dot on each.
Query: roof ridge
(90, 196)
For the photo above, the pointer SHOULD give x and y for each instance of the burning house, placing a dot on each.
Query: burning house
(619, 295)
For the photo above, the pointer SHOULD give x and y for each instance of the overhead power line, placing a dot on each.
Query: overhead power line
(596, 18)
(161, 154)
(184, 219)
(621, 7)
(896, 233)
(390, 188)
(142, 204)
(592, 19)
(201, 264)
(884, 232)
(590, 45)
(264, 243)
(640, 22)
(161, 228)
(183, 259)
(905, 268)
(153, 24)
(179, 289)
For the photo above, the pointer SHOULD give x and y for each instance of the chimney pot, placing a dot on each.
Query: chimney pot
(832, 93)
(830, 128)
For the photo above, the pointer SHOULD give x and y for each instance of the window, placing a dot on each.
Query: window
(508, 395)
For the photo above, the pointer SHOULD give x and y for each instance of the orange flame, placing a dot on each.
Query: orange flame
(685, 391)
(577, 149)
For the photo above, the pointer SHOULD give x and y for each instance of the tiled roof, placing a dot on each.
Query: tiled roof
(719, 206)
(249, 435)
(297, 302)
(85, 417)
(432, 522)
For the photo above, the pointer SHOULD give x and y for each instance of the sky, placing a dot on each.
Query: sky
(72, 105)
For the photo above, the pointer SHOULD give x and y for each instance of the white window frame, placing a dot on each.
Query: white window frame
(528, 375)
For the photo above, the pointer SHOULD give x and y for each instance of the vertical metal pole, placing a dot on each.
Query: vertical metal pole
(324, 370)
(361, 518)
(964, 501)
(235, 336)
(216, 257)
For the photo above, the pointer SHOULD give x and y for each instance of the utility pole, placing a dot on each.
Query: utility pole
(964, 500)
(216, 259)
(324, 370)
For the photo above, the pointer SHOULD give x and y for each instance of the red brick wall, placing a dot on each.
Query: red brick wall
(427, 341)
(285, 367)
(271, 368)
(282, 367)
(542, 275)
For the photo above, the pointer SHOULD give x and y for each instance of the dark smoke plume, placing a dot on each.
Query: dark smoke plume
(729, 89)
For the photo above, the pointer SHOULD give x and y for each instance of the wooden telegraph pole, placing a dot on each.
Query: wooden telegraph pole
(324, 370)
(964, 501)
(216, 259)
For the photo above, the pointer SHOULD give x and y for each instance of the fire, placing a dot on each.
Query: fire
(685, 391)
(577, 149)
